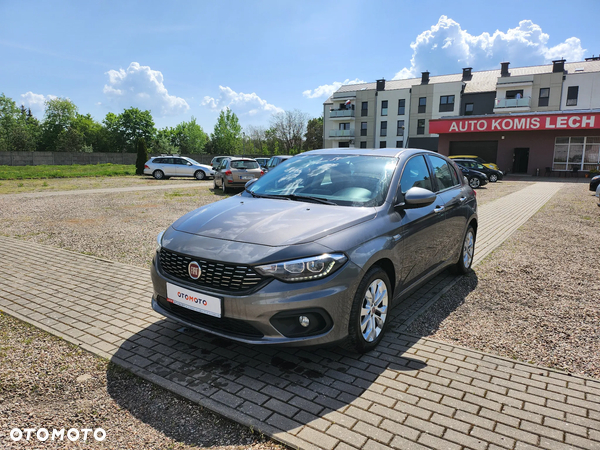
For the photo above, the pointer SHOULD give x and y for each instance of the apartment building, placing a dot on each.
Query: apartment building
(531, 120)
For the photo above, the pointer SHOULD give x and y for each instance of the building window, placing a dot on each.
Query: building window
(384, 107)
(422, 104)
(344, 145)
(446, 103)
(400, 131)
(421, 126)
(572, 94)
(517, 93)
(468, 109)
(581, 153)
(382, 144)
(363, 144)
(544, 96)
(401, 107)
(364, 111)
(398, 144)
(363, 128)
(383, 130)
(345, 126)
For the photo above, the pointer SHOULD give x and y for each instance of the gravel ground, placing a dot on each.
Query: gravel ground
(536, 297)
(46, 382)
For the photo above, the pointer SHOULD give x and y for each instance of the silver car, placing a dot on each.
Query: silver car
(318, 250)
(163, 167)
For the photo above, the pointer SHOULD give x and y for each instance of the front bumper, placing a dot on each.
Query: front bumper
(270, 315)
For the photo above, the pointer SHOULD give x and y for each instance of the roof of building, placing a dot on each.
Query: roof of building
(484, 81)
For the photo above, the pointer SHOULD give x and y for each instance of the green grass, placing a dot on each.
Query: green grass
(74, 171)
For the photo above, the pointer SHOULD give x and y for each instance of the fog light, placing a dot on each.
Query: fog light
(304, 321)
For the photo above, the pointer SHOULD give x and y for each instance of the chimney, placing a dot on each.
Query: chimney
(467, 73)
(424, 77)
(504, 71)
(381, 84)
(558, 66)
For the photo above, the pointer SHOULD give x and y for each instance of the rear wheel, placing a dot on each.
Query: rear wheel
(199, 175)
(474, 182)
(158, 174)
(224, 187)
(463, 265)
(493, 178)
(368, 317)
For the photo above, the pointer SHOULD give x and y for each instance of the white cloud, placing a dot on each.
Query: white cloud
(447, 48)
(327, 89)
(36, 102)
(141, 87)
(240, 103)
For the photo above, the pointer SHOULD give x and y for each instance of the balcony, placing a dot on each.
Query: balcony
(341, 133)
(341, 113)
(512, 103)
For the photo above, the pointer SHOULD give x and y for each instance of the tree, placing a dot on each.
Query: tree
(90, 131)
(226, 137)
(124, 130)
(314, 134)
(142, 156)
(189, 137)
(289, 127)
(19, 130)
(58, 118)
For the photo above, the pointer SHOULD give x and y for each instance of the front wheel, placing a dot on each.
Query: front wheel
(474, 182)
(158, 174)
(463, 265)
(368, 317)
(493, 178)
(199, 175)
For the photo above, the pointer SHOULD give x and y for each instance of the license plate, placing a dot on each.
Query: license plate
(195, 301)
(246, 177)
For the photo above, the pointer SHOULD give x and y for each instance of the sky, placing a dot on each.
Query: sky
(184, 59)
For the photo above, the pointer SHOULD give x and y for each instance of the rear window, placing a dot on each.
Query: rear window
(244, 165)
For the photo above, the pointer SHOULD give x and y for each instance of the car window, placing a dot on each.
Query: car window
(244, 164)
(157, 161)
(180, 161)
(442, 172)
(415, 174)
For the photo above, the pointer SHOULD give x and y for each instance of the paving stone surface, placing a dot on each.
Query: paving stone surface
(410, 392)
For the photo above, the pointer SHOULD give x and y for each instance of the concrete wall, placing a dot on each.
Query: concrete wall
(68, 158)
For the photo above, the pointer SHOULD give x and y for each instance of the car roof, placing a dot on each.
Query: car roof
(240, 158)
(393, 152)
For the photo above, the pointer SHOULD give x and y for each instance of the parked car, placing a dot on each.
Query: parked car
(235, 173)
(478, 159)
(274, 161)
(594, 182)
(319, 249)
(492, 174)
(216, 161)
(262, 162)
(474, 178)
(164, 167)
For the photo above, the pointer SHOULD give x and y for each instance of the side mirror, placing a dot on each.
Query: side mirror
(250, 183)
(417, 197)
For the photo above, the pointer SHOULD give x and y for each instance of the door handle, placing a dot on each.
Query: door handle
(462, 199)
(439, 209)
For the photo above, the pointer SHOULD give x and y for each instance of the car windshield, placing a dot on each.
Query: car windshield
(346, 180)
(244, 164)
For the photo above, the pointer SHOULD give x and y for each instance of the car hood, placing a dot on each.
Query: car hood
(270, 222)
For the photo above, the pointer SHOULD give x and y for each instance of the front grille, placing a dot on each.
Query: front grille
(214, 275)
(223, 324)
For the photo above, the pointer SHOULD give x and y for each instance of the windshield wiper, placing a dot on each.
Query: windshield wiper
(255, 195)
(310, 199)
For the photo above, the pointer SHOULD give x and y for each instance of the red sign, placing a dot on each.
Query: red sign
(579, 121)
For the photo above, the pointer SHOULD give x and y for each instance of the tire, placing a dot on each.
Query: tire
(214, 184)
(474, 182)
(224, 187)
(463, 266)
(493, 178)
(199, 175)
(369, 314)
(158, 174)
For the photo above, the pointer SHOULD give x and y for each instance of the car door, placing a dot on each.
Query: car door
(453, 198)
(419, 228)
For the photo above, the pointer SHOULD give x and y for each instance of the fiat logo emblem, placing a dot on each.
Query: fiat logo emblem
(194, 270)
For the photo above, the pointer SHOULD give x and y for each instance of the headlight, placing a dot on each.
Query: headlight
(304, 269)
(596, 177)
(159, 240)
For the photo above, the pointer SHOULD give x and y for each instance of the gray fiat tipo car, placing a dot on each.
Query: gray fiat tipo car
(319, 249)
